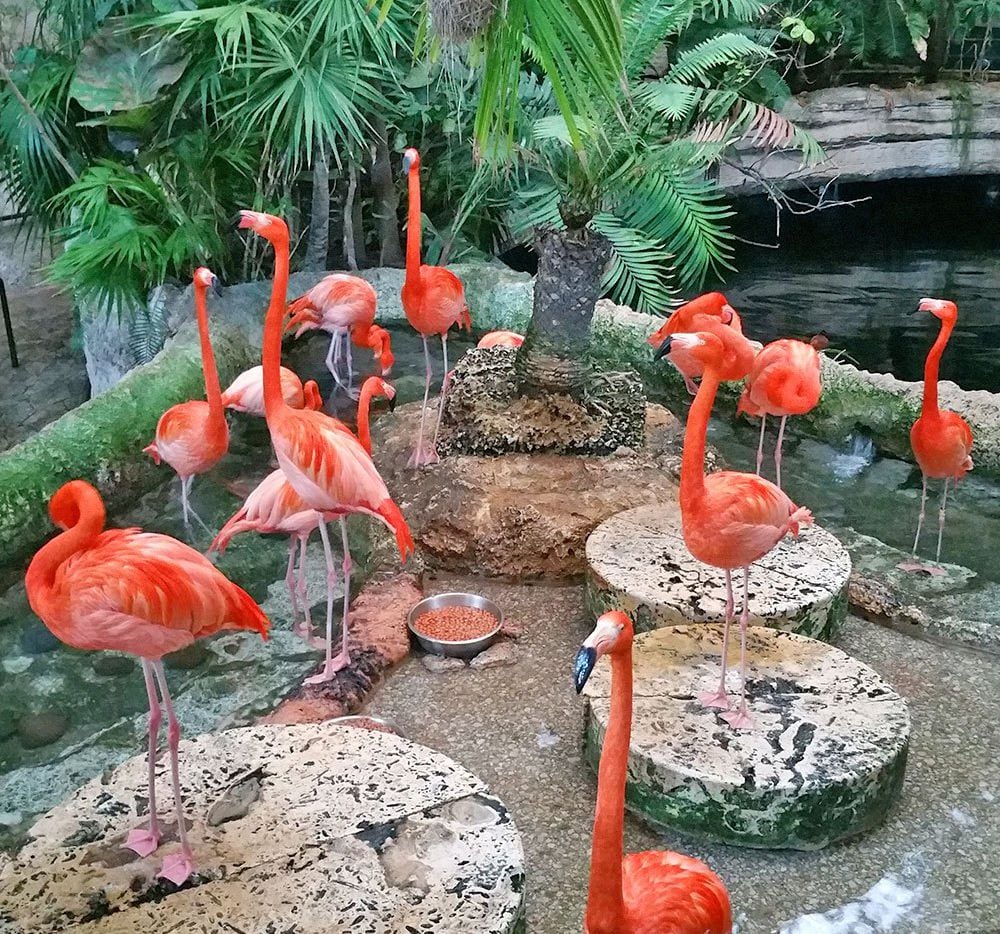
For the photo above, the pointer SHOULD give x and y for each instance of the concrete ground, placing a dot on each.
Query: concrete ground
(930, 868)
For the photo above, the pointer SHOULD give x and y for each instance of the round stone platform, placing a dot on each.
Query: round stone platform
(311, 828)
(825, 761)
(637, 562)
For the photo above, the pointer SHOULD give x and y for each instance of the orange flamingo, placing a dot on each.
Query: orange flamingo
(784, 380)
(344, 306)
(729, 519)
(656, 892)
(126, 590)
(246, 392)
(321, 459)
(273, 507)
(192, 437)
(941, 441)
(434, 300)
(501, 339)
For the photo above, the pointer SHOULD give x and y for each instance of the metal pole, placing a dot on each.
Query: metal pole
(11, 345)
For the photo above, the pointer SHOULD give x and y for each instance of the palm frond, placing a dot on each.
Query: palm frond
(696, 64)
(640, 271)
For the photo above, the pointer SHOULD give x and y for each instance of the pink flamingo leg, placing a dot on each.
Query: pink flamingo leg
(332, 665)
(305, 628)
(444, 392)
(720, 698)
(422, 455)
(178, 866)
(923, 512)
(944, 503)
(777, 452)
(146, 841)
(916, 565)
(351, 391)
(760, 444)
(290, 580)
(741, 719)
(187, 507)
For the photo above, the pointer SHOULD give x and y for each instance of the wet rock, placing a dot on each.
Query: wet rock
(236, 801)
(112, 666)
(37, 640)
(499, 655)
(440, 664)
(190, 656)
(378, 617)
(39, 729)
(305, 710)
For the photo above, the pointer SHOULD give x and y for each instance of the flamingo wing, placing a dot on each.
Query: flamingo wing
(442, 301)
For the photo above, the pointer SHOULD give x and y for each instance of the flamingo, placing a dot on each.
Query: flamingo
(344, 306)
(321, 459)
(729, 519)
(656, 892)
(273, 506)
(434, 300)
(941, 441)
(192, 437)
(784, 380)
(131, 591)
(246, 392)
(501, 339)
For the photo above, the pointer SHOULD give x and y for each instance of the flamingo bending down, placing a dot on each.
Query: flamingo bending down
(321, 459)
(729, 519)
(131, 591)
(434, 300)
(784, 380)
(273, 506)
(343, 306)
(501, 339)
(656, 892)
(246, 392)
(941, 441)
(192, 437)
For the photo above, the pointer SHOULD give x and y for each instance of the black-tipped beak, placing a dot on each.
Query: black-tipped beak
(236, 219)
(664, 348)
(915, 312)
(392, 404)
(217, 286)
(583, 666)
(407, 162)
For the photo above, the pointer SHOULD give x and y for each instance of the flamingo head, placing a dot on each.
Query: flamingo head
(206, 279)
(71, 501)
(311, 394)
(706, 348)
(306, 319)
(611, 636)
(711, 303)
(266, 225)
(941, 308)
(820, 341)
(411, 160)
(382, 390)
(380, 342)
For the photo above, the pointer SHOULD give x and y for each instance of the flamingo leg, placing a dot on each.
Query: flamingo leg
(720, 698)
(444, 391)
(777, 451)
(741, 719)
(333, 361)
(422, 455)
(351, 391)
(332, 665)
(923, 511)
(345, 654)
(305, 628)
(189, 512)
(146, 841)
(944, 504)
(178, 866)
(760, 444)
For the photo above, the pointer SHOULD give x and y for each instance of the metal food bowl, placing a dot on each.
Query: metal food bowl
(466, 648)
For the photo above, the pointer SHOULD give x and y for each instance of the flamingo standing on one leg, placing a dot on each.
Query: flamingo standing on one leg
(656, 892)
(434, 301)
(273, 506)
(501, 339)
(192, 437)
(325, 464)
(941, 441)
(784, 380)
(131, 591)
(246, 392)
(729, 519)
(337, 304)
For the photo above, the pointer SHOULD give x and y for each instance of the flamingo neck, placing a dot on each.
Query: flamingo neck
(364, 408)
(213, 390)
(42, 571)
(605, 899)
(274, 401)
(413, 229)
(693, 461)
(931, 366)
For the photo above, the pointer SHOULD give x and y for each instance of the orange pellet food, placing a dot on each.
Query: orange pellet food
(455, 623)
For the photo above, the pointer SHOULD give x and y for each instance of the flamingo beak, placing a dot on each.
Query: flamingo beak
(244, 220)
(392, 403)
(217, 286)
(586, 658)
(664, 348)
(407, 161)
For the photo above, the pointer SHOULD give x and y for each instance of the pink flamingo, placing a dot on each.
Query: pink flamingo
(126, 590)
(321, 459)
(501, 339)
(246, 392)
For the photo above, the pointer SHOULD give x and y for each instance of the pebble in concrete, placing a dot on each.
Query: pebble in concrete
(825, 761)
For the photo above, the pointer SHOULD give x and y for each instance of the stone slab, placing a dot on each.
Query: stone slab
(637, 562)
(340, 830)
(824, 763)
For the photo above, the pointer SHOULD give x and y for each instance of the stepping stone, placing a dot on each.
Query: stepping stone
(312, 828)
(637, 562)
(824, 762)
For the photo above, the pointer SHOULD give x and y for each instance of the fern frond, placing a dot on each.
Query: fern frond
(695, 64)
(640, 272)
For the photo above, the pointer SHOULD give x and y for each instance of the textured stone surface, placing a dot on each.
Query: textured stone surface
(501, 655)
(320, 847)
(521, 515)
(825, 761)
(637, 562)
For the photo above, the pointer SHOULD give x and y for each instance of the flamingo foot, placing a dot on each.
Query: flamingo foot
(915, 567)
(354, 393)
(303, 630)
(715, 699)
(330, 669)
(177, 868)
(739, 719)
(423, 456)
(142, 841)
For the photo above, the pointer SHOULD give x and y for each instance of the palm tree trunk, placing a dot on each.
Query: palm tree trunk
(319, 212)
(386, 200)
(571, 265)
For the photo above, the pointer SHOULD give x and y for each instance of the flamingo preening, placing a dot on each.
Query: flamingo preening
(729, 519)
(321, 459)
(246, 392)
(192, 437)
(784, 380)
(656, 892)
(131, 591)
(274, 507)
(941, 441)
(434, 301)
